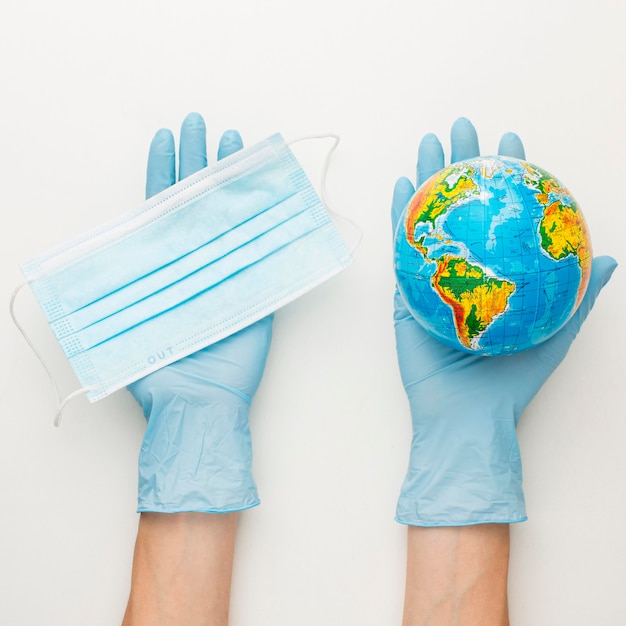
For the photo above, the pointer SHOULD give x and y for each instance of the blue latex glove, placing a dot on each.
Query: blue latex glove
(465, 465)
(197, 453)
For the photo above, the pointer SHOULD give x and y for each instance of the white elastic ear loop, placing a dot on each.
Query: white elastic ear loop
(323, 187)
(61, 403)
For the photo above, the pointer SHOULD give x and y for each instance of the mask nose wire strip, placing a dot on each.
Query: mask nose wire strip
(61, 403)
(323, 187)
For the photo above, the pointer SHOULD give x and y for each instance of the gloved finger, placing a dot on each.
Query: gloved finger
(230, 142)
(464, 140)
(161, 172)
(511, 145)
(429, 158)
(402, 193)
(192, 145)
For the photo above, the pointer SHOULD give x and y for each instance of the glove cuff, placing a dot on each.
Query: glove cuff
(197, 458)
(460, 508)
(463, 470)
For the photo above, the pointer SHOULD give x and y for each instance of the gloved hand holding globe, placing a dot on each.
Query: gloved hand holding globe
(465, 465)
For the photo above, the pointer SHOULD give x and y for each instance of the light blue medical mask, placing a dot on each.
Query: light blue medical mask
(199, 261)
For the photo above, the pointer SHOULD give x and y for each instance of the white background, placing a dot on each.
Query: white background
(86, 84)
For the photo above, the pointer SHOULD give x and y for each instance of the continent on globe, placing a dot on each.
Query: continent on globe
(563, 229)
(475, 298)
(437, 194)
(492, 255)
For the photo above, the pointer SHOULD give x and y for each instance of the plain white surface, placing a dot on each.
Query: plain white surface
(84, 87)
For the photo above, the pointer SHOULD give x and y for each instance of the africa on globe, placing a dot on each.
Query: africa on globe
(492, 255)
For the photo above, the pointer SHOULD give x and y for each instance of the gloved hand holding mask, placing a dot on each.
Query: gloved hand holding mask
(197, 454)
(465, 465)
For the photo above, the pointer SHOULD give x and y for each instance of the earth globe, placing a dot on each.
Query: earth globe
(492, 255)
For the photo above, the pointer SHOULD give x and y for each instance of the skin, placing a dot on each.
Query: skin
(182, 570)
(457, 576)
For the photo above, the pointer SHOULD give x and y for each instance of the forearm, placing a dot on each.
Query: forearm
(457, 576)
(182, 570)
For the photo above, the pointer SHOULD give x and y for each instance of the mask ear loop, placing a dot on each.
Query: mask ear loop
(61, 402)
(323, 186)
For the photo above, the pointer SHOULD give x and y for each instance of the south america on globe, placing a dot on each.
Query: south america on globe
(492, 255)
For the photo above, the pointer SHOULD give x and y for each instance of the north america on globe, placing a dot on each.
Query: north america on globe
(492, 255)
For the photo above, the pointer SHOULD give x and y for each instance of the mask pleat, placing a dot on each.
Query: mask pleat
(223, 251)
(253, 250)
(170, 235)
